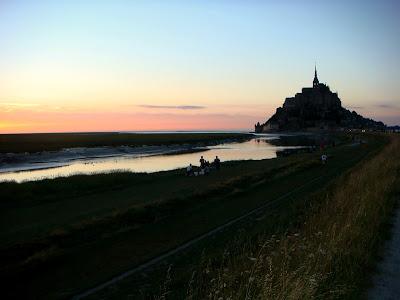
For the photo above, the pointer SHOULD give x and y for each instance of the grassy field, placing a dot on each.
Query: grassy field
(77, 232)
(327, 252)
(15, 143)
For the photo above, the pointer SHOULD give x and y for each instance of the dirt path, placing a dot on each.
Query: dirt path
(386, 282)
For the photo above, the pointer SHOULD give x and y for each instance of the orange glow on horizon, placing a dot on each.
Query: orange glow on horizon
(35, 118)
(120, 121)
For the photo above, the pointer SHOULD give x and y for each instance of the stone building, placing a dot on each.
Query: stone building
(315, 108)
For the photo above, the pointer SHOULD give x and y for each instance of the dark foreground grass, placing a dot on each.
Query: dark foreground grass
(31, 210)
(36, 142)
(80, 241)
(242, 236)
(129, 236)
(327, 254)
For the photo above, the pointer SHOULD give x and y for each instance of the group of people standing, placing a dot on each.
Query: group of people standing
(205, 167)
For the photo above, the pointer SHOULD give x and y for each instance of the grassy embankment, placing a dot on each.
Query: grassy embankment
(327, 253)
(36, 142)
(77, 232)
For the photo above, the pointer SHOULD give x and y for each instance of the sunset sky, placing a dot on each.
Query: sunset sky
(190, 65)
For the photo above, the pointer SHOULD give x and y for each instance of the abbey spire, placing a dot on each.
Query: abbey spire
(315, 81)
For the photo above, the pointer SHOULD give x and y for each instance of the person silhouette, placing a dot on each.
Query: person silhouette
(202, 161)
(217, 163)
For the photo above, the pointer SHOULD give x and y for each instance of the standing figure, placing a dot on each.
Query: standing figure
(202, 162)
(217, 163)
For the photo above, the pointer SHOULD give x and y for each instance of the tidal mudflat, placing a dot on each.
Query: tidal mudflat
(144, 158)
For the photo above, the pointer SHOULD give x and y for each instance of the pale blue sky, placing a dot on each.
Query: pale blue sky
(208, 53)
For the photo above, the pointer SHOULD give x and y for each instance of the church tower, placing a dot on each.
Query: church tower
(315, 81)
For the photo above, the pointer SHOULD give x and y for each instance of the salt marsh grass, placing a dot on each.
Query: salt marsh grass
(327, 255)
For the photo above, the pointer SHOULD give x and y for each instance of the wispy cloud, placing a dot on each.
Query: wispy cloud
(355, 107)
(384, 105)
(183, 107)
(9, 107)
(12, 104)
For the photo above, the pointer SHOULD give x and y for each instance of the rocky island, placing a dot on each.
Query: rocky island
(315, 108)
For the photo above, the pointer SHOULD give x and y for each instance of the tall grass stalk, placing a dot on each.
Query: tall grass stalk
(327, 255)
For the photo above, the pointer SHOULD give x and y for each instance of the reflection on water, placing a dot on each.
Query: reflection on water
(258, 148)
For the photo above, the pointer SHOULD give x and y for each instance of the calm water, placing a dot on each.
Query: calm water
(258, 148)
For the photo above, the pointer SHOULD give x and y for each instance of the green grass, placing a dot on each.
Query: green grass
(33, 209)
(327, 252)
(36, 142)
(272, 221)
(65, 228)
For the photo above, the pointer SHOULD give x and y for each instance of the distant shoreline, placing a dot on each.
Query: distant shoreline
(41, 142)
(127, 131)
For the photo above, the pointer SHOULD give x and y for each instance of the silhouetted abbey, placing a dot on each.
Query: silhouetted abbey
(315, 108)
